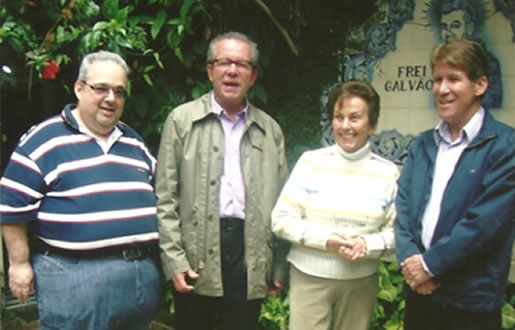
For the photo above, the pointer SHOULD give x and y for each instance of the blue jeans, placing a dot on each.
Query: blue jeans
(98, 293)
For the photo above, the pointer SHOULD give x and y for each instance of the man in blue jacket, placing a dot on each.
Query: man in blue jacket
(456, 202)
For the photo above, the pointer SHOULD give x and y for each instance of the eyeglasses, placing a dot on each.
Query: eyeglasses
(102, 90)
(225, 63)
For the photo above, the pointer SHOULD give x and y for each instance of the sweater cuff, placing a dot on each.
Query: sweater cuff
(376, 245)
(316, 239)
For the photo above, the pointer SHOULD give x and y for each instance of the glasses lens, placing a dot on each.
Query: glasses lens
(101, 90)
(120, 92)
(225, 63)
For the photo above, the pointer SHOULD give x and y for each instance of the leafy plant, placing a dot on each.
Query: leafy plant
(275, 312)
(389, 310)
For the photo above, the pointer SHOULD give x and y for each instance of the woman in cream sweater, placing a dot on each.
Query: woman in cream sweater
(337, 209)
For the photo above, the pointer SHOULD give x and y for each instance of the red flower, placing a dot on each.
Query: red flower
(50, 70)
(31, 3)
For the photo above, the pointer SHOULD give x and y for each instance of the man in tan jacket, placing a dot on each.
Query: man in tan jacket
(221, 166)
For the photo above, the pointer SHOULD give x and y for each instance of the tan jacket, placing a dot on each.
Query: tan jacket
(188, 186)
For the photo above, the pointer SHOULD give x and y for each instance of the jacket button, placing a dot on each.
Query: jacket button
(213, 182)
(210, 217)
(215, 149)
(210, 251)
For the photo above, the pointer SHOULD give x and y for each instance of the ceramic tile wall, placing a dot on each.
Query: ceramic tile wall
(403, 76)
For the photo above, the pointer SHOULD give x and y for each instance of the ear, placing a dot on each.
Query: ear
(481, 86)
(469, 28)
(253, 77)
(78, 88)
(371, 130)
(209, 69)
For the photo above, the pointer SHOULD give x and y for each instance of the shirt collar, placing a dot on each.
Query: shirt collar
(468, 132)
(218, 110)
(70, 119)
(116, 133)
(68, 116)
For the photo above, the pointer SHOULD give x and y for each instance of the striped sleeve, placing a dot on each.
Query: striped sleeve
(21, 189)
(288, 215)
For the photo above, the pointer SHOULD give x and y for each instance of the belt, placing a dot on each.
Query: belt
(136, 253)
(127, 253)
(231, 220)
(231, 223)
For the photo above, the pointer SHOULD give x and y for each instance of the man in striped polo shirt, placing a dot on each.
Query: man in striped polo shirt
(78, 210)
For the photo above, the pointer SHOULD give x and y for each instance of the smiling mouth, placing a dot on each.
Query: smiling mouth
(445, 103)
(107, 111)
(347, 133)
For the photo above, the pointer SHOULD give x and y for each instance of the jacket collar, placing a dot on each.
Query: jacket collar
(487, 132)
(468, 133)
(253, 115)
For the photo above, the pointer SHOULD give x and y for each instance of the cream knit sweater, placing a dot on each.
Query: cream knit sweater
(332, 191)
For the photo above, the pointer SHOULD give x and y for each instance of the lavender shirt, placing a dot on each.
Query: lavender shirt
(232, 188)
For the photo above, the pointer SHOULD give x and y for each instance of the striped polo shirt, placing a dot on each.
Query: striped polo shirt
(81, 197)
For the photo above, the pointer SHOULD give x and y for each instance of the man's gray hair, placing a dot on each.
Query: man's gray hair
(102, 55)
(254, 52)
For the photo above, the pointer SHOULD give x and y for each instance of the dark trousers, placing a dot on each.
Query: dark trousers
(424, 314)
(232, 311)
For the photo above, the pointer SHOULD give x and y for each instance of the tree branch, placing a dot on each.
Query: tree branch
(284, 33)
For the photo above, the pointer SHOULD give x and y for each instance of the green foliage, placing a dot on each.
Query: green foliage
(508, 316)
(275, 312)
(389, 310)
(18, 35)
(164, 43)
(7, 315)
(508, 310)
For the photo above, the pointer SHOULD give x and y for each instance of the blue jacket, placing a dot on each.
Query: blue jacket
(472, 243)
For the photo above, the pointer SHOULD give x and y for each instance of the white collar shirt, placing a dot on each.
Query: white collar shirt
(449, 153)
